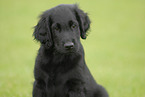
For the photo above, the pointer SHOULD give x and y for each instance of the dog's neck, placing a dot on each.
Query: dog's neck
(64, 62)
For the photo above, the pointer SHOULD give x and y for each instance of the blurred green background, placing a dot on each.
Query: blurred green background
(114, 49)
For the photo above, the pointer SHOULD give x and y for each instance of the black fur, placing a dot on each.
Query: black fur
(61, 71)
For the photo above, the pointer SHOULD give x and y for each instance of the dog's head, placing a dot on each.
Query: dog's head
(61, 28)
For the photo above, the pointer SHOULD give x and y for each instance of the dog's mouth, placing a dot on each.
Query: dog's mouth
(70, 51)
(65, 51)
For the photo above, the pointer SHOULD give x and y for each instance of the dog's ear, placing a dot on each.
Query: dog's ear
(83, 20)
(42, 32)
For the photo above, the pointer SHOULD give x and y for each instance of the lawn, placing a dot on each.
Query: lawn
(114, 49)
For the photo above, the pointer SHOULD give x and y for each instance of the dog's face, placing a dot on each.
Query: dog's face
(65, 31)
(61, 28)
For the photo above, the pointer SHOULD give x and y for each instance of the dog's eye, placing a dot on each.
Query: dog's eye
(73, 26)
(56, 29)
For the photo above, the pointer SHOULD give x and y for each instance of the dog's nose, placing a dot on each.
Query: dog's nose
(69, 45)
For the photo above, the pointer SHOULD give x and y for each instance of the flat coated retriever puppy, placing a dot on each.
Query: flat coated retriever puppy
(60, 68)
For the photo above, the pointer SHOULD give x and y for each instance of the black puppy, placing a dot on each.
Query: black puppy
(60, 69)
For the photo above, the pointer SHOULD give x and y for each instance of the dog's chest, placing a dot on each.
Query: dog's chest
(54, 80)
(55, 84)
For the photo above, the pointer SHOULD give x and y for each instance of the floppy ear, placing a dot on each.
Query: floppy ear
(83, 20)
(42, 32)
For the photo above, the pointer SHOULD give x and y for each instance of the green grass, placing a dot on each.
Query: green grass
(114, 49)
